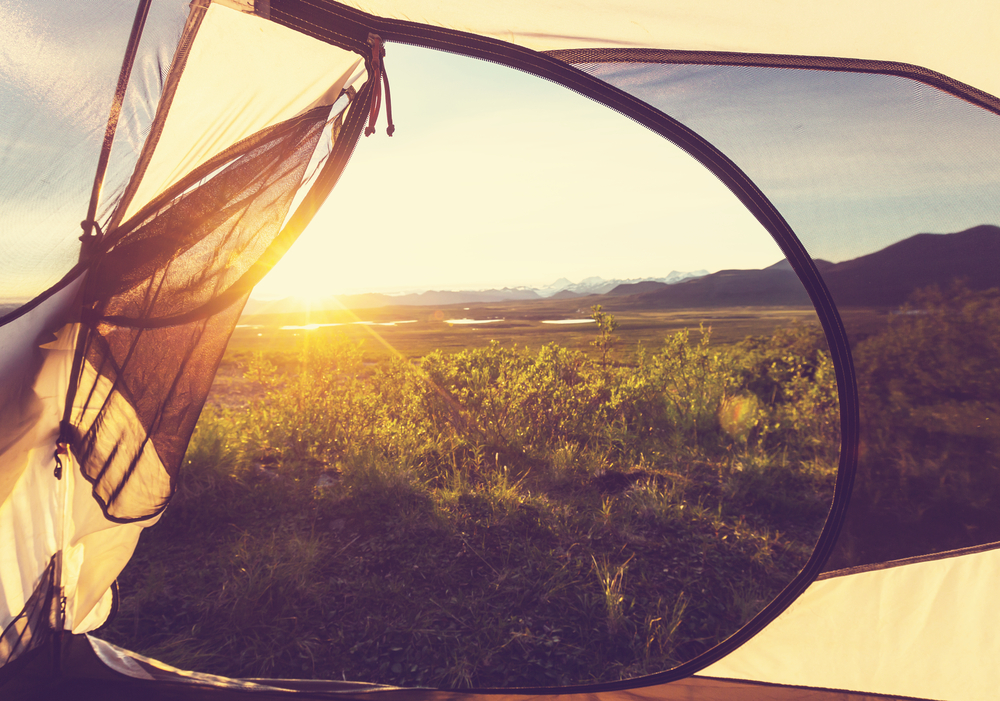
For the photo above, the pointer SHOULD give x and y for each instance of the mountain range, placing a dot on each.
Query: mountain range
(881, 279)
(560, 289)
(885, 278)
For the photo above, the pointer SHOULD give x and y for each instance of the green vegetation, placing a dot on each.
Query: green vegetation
(929, 473)
(606, 327)
(490, 517)
(493, 515)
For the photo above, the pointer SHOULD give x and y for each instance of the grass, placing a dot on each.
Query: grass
(495, 516)
(527, 514)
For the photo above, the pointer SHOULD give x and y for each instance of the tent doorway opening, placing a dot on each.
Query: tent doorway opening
(534, 401)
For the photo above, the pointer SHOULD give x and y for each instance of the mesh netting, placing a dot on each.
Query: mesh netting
(862, 166)
(160, 306)
(53, 120)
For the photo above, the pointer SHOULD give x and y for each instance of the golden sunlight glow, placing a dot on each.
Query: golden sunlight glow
(498, 179)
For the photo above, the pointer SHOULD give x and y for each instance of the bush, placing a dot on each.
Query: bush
(491, 517)
(929, 471)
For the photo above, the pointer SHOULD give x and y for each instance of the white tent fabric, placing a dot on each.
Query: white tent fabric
(922, 34)
(921, 629)
(37, 521)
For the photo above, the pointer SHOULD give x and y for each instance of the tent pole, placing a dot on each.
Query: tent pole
(88, 224)
(198, 8)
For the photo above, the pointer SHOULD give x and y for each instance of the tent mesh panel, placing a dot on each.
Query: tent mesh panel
(161, 305)
(859, 165)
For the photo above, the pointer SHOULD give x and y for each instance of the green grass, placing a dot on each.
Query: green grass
(519, 513)
(497, 516)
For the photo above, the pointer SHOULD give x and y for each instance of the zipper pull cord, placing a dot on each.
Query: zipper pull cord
(388, 102)
(61, 450)
(62, 447)
(380, 78)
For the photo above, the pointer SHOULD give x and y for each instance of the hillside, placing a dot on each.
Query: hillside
(887, 277)
(881, 279)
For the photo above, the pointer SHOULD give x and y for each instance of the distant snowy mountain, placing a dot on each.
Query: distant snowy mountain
(599, 286)
(560, 289)
(555, 288)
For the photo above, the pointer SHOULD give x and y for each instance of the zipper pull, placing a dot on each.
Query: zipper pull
(380, 78)
(61, 449)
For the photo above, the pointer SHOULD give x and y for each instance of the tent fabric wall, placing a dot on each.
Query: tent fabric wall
(921, 34)
(43, 516)
(163, 289)
(260, 75)
(917, 629)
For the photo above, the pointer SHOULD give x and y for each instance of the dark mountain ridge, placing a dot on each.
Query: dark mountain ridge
(888, 277)
(881, 279)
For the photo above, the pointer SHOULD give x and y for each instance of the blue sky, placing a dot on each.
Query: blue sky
(498, 178)
(854, 162)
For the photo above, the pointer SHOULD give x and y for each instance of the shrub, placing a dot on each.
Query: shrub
(929, 471)
(491, 517)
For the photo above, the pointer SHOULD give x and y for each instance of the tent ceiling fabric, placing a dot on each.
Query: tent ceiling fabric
(922, 33)
(254, 73)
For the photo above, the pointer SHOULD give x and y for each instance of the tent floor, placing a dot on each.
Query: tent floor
(89, 668)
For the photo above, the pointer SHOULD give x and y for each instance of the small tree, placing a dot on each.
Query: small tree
(606, 327)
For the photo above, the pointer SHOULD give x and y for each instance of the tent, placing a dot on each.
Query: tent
(231, 122)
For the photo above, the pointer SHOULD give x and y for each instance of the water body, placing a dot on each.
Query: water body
(313, 327)
(471, 321)
(568, 321)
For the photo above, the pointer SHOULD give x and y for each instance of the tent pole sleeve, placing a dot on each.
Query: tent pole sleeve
(88, 224)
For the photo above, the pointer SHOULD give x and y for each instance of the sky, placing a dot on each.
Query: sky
(853, 161)
(496, 178)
